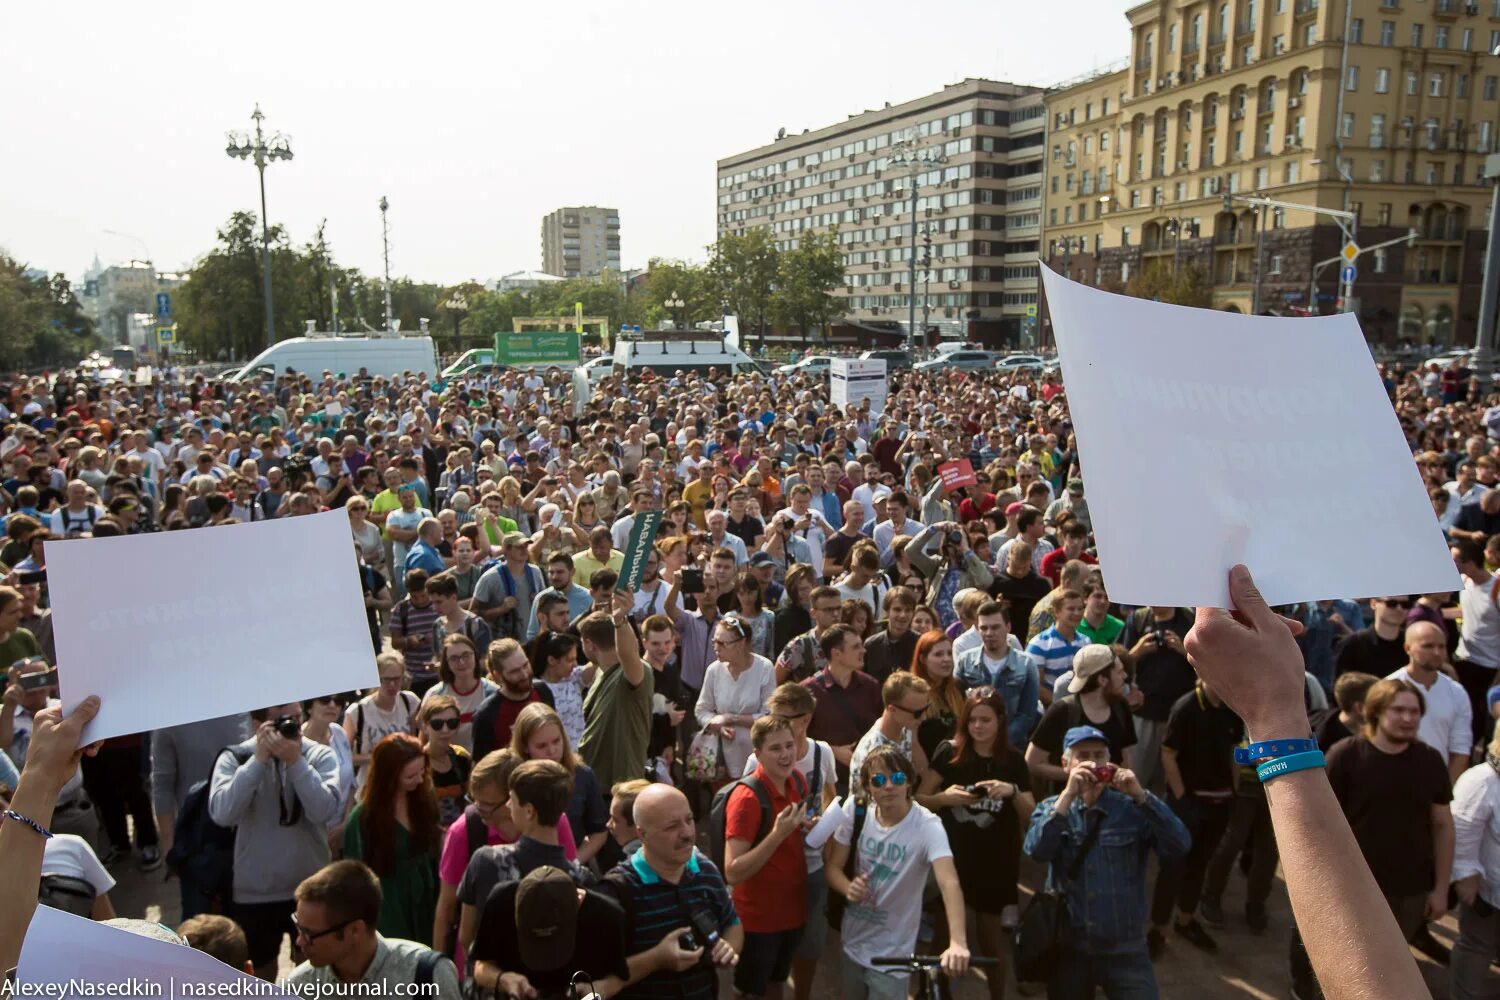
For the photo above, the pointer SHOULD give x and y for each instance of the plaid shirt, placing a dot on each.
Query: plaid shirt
(1108, 899)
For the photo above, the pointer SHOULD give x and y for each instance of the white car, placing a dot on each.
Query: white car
(599, 368)
(813, 364)
(1012, 362)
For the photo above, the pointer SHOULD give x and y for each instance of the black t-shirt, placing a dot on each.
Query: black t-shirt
(986, 835)
(1204, 736)
(1388, 800)
(747, 530)
(1020, 594)
(1365, 651)
(883, 655)
(667, 683)
(1471, 517)
(598, 941)
(1162, 673)
(1067, 712)
(1329, 729)
(836, 549)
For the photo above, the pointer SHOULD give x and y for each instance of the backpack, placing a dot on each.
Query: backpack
(718, 814)
(202, 851)
(834, 908)
(359, 718)
(66, 893)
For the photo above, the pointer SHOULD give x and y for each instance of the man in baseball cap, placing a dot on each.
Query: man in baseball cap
(541, 930)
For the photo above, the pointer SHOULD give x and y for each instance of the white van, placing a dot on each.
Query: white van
(343, 355)
(667, 354)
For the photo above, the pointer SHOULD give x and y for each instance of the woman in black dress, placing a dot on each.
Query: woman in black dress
(978, 783)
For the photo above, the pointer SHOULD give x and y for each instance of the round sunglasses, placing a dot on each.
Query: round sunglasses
(879, 779)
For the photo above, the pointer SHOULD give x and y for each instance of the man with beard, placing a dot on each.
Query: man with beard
(496, 715)
(1394, 790)
(651, 598)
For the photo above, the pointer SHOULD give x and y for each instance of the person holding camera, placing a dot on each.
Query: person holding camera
(956, 568)
(1159, 666)
(278, 790)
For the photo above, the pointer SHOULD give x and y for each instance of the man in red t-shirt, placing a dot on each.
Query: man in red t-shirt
(1074, 537)
(769, 878)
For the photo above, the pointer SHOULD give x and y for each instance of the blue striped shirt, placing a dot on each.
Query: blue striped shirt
(1055, 653)
(654, 906)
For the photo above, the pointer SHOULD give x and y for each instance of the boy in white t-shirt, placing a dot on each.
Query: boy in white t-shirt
(796, 704)
(899, 842)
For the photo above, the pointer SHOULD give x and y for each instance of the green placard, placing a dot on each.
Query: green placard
(541, 347)
(637, 550)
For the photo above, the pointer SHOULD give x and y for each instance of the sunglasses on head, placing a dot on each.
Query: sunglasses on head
(879, 779)
(443, 723)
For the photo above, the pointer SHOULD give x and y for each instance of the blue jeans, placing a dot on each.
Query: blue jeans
(1123, 975)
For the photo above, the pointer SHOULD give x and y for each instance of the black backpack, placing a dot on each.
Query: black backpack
(202, 851)
(718, 814)
(67, 893)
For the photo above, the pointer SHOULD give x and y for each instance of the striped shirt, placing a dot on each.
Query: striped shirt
(1055, 653)
(654, 906)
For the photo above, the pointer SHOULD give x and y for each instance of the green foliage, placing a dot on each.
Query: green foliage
(1188, 286)
(744, 269)
(805, 283)
(41, 321)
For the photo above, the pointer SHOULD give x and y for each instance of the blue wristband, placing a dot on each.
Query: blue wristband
(1271, 749)
(1286, 765)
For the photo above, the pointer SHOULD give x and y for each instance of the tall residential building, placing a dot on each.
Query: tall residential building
(1224, 99)
(112, 296)
(581, 241)
(981, 207)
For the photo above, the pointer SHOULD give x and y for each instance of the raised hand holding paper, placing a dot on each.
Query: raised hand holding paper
(1210, 438)
(210, 622)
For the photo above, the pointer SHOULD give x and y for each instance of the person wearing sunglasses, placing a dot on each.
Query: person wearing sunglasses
(899, 842)
(321, 716)
(438, 726)
(1381, 648)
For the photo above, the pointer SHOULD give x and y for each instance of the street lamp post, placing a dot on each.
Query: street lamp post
(385, 240)
(262, 150)
(911, 153)
(675, 305)
(1175, 226)
(926, 280)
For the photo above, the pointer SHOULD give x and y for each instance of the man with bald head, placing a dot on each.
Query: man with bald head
(1447, 725)
(668, 889)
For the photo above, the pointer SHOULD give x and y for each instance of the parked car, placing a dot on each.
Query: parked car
(895, 361)
(1021, 362)
(813, 364)
(969, 361)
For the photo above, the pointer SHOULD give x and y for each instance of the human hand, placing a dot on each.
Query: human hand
(724, 954)
(283, 749)
(1144, 644)
(675, 716)
(13, 690)
(516, 985)
(1173, 641)
(1135, 697)
(264, 733)
(858, 889)
(54, 752)
(1268, 698)
(1126, 781)
(955, 960)
(1080, 779)
(674, 955)
(788, 820)
(958, 795)
(1468, 889)
(1437, 903)
(509, 604)
(727, 731)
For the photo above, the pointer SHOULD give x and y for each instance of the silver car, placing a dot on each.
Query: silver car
(968, 361)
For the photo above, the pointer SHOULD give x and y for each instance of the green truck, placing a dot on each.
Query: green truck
(533, 349)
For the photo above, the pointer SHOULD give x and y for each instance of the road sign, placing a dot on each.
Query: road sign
(166, 335)
(1347, 273)
(1031, 310)
(1350, 251)
(163, 304)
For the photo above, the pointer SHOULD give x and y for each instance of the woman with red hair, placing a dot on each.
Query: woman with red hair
(932, 660)
(394, 829)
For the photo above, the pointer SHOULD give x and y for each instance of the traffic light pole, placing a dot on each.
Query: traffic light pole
(1348, 223)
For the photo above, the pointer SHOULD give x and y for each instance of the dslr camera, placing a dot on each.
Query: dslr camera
(288, 727)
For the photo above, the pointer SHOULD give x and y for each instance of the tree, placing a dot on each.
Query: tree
(1187, 286)
(744, 269)
(220, 310)
(678, 279)
(804, 286)
(41, 321)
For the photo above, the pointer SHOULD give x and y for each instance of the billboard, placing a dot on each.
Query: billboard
(540, 347)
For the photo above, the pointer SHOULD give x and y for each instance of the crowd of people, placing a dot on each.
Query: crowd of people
(842, 703)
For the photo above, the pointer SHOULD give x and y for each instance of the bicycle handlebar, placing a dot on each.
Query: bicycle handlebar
(922, 961)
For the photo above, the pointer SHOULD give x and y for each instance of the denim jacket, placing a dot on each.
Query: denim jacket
(1107, 901)
(1017, 681)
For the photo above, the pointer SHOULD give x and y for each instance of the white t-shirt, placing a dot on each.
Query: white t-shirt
(871, 593)
(875, 738)
(1447, 723)
(815, 788)
(896, 861)
(373, 724)
(71, 855)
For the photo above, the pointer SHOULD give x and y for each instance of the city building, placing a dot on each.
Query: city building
(978, 212)
(581, 241)
(1386, 109)
(523, 281)
(113, 296)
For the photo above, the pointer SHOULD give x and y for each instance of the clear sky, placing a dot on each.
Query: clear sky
(474, 119)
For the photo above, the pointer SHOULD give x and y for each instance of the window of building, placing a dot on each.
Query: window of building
(1463, 85)
(1466, 40)
(1436, 84)
(1239, 143)
(1379, 264)
(1482, 138)
(1440, 37)
(1416, 36)
(1262, 177)
(1434, 172)
(1383, 214)
(1387, 33)
(1293, 172)
(1377, 171)
(1310, 35)
(1357, 31)
(1351, 78)
(1489, 88)
(1382, 80)
(1411, 83)
(1104, 141)
(1347, 129)
(1377, 131)
(1172, 38)
(1278, 44)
